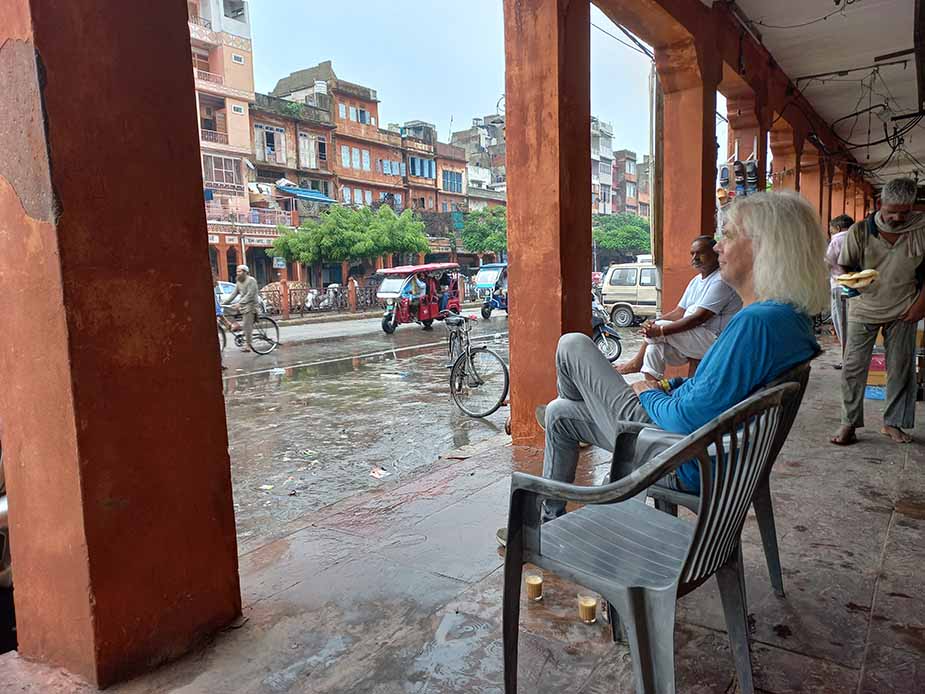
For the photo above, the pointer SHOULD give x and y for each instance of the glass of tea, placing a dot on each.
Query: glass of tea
(534, 582)
(587, 608)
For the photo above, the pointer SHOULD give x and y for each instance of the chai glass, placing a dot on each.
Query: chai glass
(534, 582)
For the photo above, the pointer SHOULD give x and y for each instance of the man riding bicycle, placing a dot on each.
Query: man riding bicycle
(246, 289)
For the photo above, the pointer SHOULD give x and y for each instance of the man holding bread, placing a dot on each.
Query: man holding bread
(884, 258)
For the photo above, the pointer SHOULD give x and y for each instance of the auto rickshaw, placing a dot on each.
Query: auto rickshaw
(440, 287)
(493, 278)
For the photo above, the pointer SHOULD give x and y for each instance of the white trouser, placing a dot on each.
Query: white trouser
(675, 349)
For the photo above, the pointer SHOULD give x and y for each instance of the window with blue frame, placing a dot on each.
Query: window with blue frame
(423, 168)
(452, 181)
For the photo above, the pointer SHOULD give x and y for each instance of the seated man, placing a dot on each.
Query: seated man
(689, 330)
(414, 290)
(766, 237)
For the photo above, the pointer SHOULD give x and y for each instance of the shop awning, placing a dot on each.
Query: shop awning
(305, 194)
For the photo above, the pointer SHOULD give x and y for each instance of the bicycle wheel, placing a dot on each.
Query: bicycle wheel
(479, 382)
(452, 350)
(222, 339)
(266, 335)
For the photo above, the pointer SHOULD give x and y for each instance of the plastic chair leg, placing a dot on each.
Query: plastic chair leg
(764, 512)
(649, 617)
(731, 580)
(513, 570)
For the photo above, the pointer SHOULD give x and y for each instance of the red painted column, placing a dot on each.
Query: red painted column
(114, 439)
(548, 98)
(222, 260)
(689, 82)
(851, 197)
(828, 172)
(786, 149)
(838, 192)
(811, 177)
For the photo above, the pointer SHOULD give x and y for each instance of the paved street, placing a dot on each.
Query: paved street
(289, 413)
(309, 422)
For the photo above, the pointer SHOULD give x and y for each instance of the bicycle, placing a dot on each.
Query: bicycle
(479, 378)
(264, 338)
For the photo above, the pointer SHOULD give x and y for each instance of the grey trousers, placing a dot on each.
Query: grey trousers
(593, 398)
(836, 312)
(249, 318)
(899, 343)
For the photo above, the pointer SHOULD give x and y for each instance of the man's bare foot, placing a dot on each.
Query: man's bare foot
(895, 433)
(845, 436)
(630, 367)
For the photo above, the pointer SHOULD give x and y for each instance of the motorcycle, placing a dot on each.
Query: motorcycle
(603, 332)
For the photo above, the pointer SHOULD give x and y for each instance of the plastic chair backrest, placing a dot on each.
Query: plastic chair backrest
(728, 481)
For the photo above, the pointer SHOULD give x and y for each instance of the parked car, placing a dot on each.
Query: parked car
(629, 292)
(224, 290)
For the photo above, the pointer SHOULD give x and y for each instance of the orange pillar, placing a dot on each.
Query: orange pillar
(123, 533)
(851, 197)
(827, 171)
(838, 192)
(548, 60)
(421, 258)
(344, 272)
(811, 177)
(689, 82)
(786, 148)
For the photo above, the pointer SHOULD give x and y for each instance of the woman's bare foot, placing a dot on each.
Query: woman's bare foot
(895, 433)
(845, 436)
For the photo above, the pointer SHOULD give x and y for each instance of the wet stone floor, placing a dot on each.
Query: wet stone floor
(310, 424)
(396, 589)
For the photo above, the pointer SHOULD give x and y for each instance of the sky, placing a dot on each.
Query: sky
(440, 61)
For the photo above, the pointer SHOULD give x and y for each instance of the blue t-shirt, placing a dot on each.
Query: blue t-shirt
(761, 342)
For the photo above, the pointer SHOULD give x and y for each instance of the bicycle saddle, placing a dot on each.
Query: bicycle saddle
(455, 320)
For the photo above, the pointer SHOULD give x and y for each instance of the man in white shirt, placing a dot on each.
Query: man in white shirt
(838, 230)
(687, 332)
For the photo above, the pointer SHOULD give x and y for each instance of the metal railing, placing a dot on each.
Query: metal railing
(209, 77)
(214, 136)
(201, 21)
(254, 215)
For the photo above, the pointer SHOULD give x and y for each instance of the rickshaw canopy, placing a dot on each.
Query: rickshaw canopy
(488, 274)
(412, 269)
(395, 278)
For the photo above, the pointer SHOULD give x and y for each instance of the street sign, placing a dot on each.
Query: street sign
(279, 263)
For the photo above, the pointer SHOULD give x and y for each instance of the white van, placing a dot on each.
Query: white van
(629, 291)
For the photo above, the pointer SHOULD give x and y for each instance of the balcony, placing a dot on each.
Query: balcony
(202, 22)
(214, 136)
(217, 212)
(209, 77)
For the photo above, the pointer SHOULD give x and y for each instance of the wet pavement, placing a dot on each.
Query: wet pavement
(397, 589)
(311, 421)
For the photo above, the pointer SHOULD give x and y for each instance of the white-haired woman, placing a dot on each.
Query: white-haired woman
(772, 253)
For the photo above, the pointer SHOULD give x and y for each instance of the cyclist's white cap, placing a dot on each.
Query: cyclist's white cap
(243, 267)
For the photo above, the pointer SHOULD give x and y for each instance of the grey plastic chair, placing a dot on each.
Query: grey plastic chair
(640, 559)
(654, 440)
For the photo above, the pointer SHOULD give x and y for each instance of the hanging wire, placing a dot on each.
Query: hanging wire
(838, 10)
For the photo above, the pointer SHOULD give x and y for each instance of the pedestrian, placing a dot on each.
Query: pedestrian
(892, 242)
(838, 230)
(688, 331)
(219, 314)
(246, 291)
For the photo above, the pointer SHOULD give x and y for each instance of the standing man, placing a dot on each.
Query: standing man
(892, 242)
(691, 328)
(838, 230)
(246, 289)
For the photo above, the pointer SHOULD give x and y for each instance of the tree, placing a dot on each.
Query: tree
(624, 232)
(485, 231)
(346, 233)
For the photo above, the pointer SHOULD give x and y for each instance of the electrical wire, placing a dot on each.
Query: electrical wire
(841, 8)
(641, 45)
(619, 40)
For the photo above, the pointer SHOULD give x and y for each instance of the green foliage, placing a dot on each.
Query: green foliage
(294, 109)
(346, 233)
(485, 231)
(624, 232)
